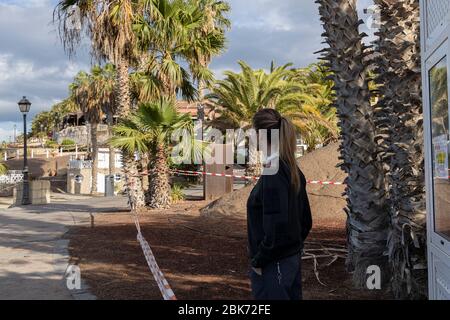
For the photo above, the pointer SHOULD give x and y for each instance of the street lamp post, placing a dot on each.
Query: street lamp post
(24, 107)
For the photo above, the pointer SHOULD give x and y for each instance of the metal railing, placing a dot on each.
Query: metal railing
(80, 164)
(12, 177)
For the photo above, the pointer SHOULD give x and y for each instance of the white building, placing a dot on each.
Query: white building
(79, 176)
(435, 26)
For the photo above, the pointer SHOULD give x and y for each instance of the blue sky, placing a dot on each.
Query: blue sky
(33, 63)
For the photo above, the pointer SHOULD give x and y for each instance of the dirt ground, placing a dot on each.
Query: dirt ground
(201, 257)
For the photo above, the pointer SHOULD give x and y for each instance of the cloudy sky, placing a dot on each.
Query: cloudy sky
(33, 63)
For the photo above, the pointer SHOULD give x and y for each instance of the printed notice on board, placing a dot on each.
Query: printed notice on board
(441, 157)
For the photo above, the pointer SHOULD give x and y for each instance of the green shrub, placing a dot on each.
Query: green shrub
(177, 193)
(50, 144)
(68, 142)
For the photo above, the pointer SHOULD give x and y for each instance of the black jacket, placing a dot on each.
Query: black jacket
(278, 219)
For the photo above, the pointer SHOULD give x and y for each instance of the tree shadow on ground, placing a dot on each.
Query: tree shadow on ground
(33, 286)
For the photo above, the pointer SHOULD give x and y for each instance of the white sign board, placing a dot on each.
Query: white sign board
(440, 145)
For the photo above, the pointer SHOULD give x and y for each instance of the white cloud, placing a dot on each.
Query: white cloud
(25, 3)
(32, 60)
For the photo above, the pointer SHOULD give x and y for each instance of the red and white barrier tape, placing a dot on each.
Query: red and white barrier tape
(164, 287)
(160, 279)
(196, 173)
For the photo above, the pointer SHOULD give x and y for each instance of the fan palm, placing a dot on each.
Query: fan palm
(368, 218)
(149, 131)
(172, 34)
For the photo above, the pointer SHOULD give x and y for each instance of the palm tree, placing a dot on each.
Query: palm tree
(216, 24)
(173, 35)
(367, 211)
(85, 94)
(240, 95)
(400, 117)
(109, 25)
(149, 131)
(103, 79)
(317, 121)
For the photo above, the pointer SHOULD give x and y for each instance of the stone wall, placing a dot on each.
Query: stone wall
(75, 185)
(80, 135)
(39, 192)
(83, 186)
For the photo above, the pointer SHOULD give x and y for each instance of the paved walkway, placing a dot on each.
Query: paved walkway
(33, 251)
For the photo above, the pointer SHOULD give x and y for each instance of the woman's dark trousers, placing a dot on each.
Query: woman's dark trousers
(280, 280)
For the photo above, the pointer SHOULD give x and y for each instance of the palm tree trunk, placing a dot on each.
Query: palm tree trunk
(254, 167)
(134, 187)
(94, 156)
(368, 218)
(159, 189)
(112, 151)
(123, 97)
(400, 116)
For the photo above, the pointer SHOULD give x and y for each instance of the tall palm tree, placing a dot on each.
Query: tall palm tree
(109, 25)
(172, 34)
(400, 117)
(103, 80)
(149, 131)
(215, 23)
(367, 211)
(84, 93)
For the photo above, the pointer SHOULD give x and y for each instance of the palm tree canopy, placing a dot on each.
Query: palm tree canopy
(108, 23)
(173, 35)
(304, 95)
(151, 125)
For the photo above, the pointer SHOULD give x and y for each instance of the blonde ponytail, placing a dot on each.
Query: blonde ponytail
(288, 146)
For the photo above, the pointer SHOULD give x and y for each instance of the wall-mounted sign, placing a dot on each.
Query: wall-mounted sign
(117, 177)
(440, 145)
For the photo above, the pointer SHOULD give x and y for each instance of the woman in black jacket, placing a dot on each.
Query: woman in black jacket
(279, 217)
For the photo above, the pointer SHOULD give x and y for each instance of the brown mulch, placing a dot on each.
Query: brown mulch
(202, 258)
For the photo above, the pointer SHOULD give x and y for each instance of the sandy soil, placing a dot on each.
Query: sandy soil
(327, 202)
